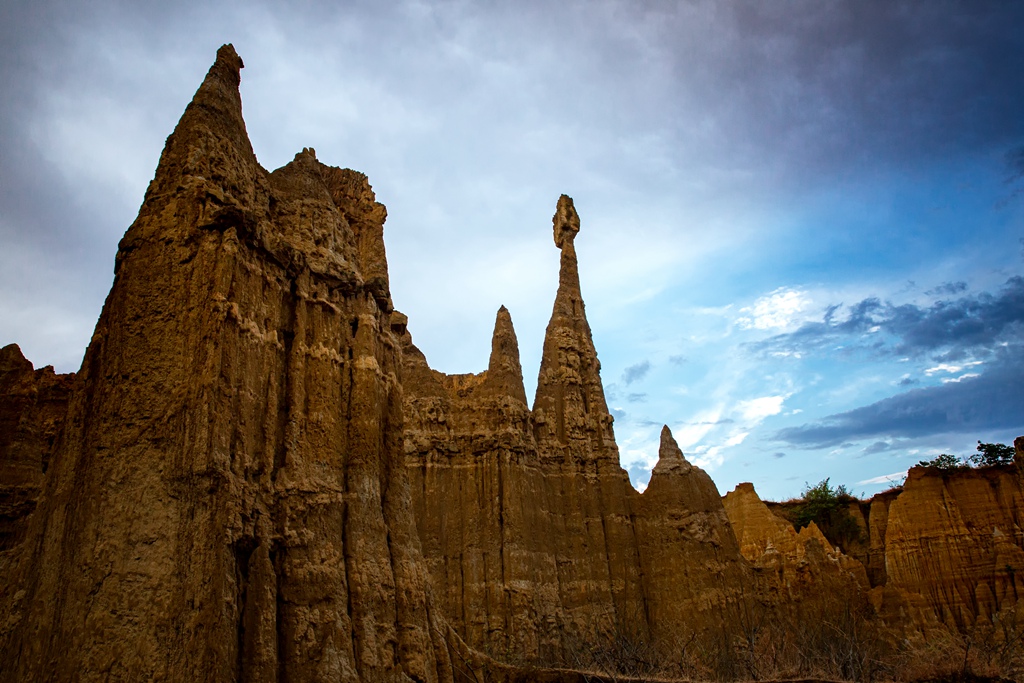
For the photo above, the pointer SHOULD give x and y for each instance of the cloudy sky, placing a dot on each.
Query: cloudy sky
(803, 222)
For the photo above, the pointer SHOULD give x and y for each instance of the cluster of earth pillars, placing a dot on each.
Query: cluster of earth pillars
(257, 476)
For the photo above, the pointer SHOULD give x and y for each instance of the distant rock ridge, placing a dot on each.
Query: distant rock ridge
(256, 475)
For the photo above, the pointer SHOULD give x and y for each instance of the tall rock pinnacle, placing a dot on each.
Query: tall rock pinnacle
(504, 371)
(570, 409)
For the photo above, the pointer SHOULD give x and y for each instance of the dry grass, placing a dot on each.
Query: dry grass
(821, 642)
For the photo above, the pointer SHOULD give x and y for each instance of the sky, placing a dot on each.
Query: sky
(802, 242)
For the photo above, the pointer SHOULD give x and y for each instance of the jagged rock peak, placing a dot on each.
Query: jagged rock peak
(227, 66)
(12, 359)
(670, 456)
(504, 371)
(217, 103)
(566, 222)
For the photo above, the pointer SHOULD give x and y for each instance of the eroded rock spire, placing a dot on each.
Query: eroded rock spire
(670, 456)
(208, 175)
(504, 371)
(570, 408)
(674, 478)
(229, 473)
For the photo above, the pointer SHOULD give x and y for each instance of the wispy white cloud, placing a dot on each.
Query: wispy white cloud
(756, 409)
(780, 309)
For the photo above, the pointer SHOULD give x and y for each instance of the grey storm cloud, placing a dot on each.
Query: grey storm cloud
(636, 372)
(952, 328)
(948, 289)
(972, 405)
(441, 101)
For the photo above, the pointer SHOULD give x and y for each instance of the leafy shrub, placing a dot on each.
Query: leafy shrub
(988, 454)
(828, 508)
(946, 462)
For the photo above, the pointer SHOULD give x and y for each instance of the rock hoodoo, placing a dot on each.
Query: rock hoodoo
(257, 476)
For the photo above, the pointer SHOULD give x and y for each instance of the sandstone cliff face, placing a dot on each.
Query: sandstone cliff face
(538, 546)
(956, 539)
(228, 500)
(694, 577)
(32, 408)
(797, 565)
(945, 551)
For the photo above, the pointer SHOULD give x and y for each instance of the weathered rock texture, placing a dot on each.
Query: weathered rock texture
(945, 550)
(537, 544)
(793, 566)
(956, 539)
(227, 501)
(32, 408)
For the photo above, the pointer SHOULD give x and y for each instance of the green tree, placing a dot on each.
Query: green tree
(992, 454)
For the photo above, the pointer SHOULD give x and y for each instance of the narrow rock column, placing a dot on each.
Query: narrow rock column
(598, 565)
(570, 411)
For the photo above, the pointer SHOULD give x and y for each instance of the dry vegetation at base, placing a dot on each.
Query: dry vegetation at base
(845, 645)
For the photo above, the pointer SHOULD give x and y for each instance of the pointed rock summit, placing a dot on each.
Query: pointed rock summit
(670, 456)
(213, 116)
(570, 411)
(676, 479)
(504, 371)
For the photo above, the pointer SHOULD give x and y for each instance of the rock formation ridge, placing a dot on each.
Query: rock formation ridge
(542, 548)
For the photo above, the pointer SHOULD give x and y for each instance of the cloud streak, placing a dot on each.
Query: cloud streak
(953, 328)
(986, 402)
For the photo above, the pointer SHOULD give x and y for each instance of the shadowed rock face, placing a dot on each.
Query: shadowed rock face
(227, 501)
(32, 408)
